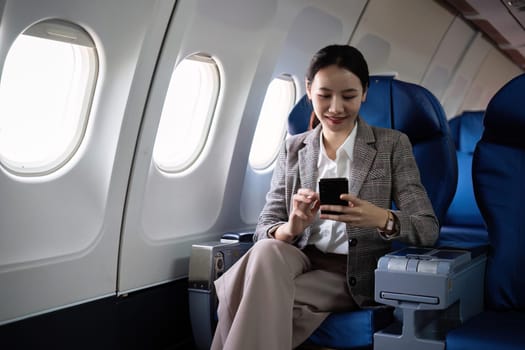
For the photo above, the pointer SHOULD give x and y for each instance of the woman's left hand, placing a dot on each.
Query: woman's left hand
(359, 213)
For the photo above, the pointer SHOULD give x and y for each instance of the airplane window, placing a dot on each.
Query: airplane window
(187, 113)
(271, 127)
(46, 91)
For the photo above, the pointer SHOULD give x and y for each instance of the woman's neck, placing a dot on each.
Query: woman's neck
(332, 141)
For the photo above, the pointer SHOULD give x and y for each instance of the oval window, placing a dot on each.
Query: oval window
(46, 90)
(271, 127)
(187, 113)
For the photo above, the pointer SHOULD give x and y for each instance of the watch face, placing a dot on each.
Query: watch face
(390, 224)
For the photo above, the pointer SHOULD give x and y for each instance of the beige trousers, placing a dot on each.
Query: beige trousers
(275, 296)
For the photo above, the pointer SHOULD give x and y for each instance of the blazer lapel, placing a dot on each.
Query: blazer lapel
(364, 154)
(308, 157)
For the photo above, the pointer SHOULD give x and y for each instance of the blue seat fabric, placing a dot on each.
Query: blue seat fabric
(491, 330)
(499, 187)
(463, 226)
(415, 111)
(300, 117)
(352, 329)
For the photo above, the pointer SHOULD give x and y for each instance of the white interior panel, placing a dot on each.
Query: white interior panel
(494, 72)
(166, 213)
(464, 75)
(448, 56)
(405, 47)
(60, 232)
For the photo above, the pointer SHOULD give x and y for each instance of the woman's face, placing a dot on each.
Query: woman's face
(336, 95)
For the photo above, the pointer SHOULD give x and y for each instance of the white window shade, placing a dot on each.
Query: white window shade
(46, 91)
(271, 127)
(187, 113)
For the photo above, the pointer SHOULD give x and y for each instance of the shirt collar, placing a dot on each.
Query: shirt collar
(347, 146)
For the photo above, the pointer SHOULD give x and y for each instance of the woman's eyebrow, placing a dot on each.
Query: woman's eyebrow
(346, 90)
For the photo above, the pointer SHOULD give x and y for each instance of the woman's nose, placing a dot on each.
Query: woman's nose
(336, 105)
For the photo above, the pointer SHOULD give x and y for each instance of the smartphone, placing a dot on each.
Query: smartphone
(330, 189)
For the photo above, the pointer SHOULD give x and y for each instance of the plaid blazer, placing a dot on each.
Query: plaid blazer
(384, 170)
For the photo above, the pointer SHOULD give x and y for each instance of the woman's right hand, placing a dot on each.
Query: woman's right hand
(305, 207)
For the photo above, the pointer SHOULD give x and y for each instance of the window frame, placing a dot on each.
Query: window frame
(268, 163)
(58, 30)
(177, 167)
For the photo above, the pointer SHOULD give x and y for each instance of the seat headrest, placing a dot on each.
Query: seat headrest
(410, 108)
(466, 130)
(390, 103)
(299, 117)
(505, 116)
(377, 109)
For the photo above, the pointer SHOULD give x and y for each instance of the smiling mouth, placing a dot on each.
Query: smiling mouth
(335, 120)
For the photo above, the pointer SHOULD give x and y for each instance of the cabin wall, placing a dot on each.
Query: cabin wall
(60, 232)
(109, 222)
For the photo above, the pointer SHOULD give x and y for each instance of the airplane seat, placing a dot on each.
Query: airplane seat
(415, 111)
(498, 177)
(463, 226)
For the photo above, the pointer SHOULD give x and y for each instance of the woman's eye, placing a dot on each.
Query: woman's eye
(348, 97)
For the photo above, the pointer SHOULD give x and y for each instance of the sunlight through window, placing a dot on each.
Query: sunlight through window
(45, 93)
(271, 127)
(187, 113)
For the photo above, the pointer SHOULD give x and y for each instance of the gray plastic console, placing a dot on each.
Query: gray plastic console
(208, 261)
(433, 291)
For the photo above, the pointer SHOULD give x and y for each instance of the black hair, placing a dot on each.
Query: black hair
(344, 56)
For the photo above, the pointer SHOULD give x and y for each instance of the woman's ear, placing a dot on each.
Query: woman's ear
(308, 88)
(363, 99)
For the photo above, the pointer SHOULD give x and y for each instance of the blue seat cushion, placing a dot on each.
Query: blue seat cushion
(499, 184)
(352, 329)
(463, 210)
(299, 117)
(463, 226)
(490, 330)
(466, 129)
(462, 237)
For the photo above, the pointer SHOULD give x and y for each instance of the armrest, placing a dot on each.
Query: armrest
(241, 237)
(433, 290)
(208, 261)
(425, 276)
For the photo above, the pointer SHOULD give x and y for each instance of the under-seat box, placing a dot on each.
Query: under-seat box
(433, 290)
(208, 261)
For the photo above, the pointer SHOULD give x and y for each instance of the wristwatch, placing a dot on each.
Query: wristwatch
(389, 225)
(389, 229)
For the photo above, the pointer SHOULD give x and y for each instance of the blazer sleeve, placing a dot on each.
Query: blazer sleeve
(275, 210)
(417, 222)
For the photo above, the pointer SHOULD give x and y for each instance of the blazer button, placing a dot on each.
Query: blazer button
(352, 242)
(353, 281)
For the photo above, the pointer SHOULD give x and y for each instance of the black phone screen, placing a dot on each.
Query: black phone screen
(330, 189)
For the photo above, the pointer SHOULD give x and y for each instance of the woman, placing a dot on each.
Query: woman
(306, 263)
